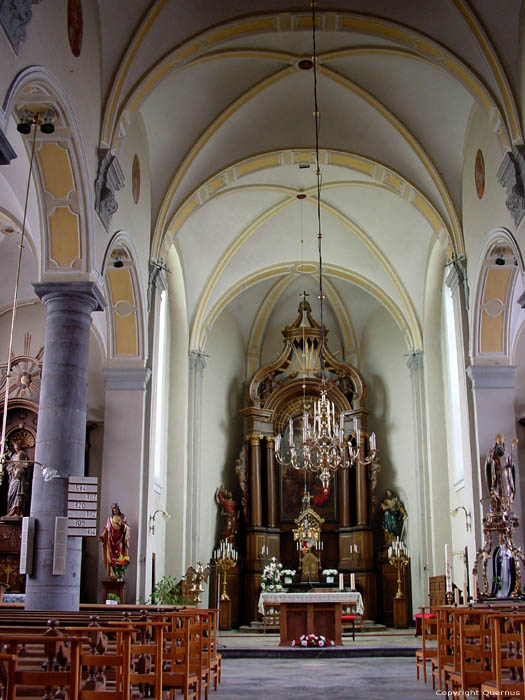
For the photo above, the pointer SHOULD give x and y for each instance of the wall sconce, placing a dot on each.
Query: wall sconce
(164, 514)
(468, 517)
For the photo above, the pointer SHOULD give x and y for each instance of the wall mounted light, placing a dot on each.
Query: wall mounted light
(164, 514)
(468, 516)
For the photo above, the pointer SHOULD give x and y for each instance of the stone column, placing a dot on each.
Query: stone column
(420, 546)
(271, 477)
(61, 435)
(123, 467)
(197, 365)
(255, 480)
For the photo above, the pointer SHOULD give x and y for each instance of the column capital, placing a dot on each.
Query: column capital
(14, 17)
(270, 440)
(7, 154)
(491, 376)
(511, 176)
(88, 292)
(457, 274)
(126, 378)
(254, 438)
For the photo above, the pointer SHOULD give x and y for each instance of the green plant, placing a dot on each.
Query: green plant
(168, 592)
(113, 596)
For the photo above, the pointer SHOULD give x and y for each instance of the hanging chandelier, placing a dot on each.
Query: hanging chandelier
(323, 448)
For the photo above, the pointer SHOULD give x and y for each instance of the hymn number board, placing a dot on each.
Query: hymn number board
(82, 496)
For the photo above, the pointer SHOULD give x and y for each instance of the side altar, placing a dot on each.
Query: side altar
(311, 613)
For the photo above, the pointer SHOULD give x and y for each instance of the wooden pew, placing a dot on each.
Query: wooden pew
(28, 671)
(146, 651)
(181, 644)
(100, 656)
(473, 655)
(507, 657)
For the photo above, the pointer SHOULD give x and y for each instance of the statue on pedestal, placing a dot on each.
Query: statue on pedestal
(229, 511)
(394, 516)
(115, 538)
(18, 469)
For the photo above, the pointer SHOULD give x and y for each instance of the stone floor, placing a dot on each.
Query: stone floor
(317, 679)
(374, 667)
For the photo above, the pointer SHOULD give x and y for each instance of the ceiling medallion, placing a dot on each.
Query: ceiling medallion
(479, 174)
(305, 64)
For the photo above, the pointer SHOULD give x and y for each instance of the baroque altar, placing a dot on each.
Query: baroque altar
(272, 494)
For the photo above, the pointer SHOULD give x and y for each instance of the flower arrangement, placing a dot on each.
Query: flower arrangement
(288, 573)
(271, 577)
(312, 640)
(330, 572)
(120, 565)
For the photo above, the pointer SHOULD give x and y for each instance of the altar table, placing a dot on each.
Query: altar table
(311, 613)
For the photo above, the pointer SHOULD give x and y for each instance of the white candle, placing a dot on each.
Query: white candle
(341, 582)
(373, 441)
(352, 582)
(358, 437)
(474, 588)
(448, 575)
(456, 596)
(355, 548)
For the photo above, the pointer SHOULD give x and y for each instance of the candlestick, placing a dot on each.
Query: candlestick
(399, 559)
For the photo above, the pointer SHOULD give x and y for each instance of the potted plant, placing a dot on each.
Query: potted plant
(330, 575)
(288, 575)
(112, 599)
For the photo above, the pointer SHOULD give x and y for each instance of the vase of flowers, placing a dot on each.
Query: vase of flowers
(287, 575)
(119, 566)
(330, 575)
(271, 577)
(312, 640)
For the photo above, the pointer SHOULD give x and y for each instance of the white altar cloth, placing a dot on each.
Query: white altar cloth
(340, 597)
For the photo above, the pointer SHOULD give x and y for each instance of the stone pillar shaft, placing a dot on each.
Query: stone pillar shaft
(61, 436)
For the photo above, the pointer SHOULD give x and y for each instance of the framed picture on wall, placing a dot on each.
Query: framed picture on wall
(291, 492)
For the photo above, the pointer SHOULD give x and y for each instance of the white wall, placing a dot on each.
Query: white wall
(384, 365)
(222, 425)
(174, 529)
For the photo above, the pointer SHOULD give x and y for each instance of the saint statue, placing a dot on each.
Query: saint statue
(500, 475)
(229, 510)
(115, 538)
(18, 489)
(394, 516)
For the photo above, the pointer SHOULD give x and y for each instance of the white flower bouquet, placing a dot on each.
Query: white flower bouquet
(271, 577)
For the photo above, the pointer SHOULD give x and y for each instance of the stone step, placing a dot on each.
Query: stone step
(256, 627)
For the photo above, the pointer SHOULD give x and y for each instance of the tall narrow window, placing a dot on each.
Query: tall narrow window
(455, 383)
(160, 390)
